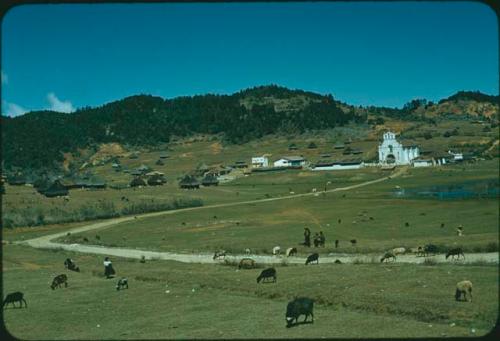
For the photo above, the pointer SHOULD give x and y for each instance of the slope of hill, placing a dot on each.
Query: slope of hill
(41, 139)
(38, 139)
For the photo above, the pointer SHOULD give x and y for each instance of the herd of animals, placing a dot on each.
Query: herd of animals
(297, 307)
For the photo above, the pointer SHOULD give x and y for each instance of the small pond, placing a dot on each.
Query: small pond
(465, 190)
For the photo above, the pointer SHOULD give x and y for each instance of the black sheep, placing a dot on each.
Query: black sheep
(267, 273)
(15, 297)
(297, 307)
(58, 280)
(455, 252)
(312, 258)
(122, 283)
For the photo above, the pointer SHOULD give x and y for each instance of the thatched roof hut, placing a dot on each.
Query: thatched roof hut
(137, 182)
(189, 182)
(144, 169)
(210, 180)
(56, 189)
(156, 178)
(17, 180)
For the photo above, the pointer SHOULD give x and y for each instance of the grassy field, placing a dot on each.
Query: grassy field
(23, 206)
(371, 214)
(176, 300)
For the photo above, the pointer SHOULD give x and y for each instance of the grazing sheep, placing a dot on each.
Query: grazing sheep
(297, 307)
(219, 254)
(455, 252)
(58, 280)
(246, 263)
(122, 283)
(399, 251)
(70, 265)
(462, 288)
(312, 258)
(267, 273)
(276, 250)
(388, 255)
(314, 190)
(418, 250)
(291, 251)
(15, 297)
(247, 251)
(353, 242)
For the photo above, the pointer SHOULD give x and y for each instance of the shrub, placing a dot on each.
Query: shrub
(492, 247)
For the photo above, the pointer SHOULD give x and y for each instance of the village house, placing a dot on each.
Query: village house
(457, 157)
(390, 151)
(261, 161)
(290, 161)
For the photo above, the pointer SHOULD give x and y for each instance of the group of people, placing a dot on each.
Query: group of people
(319, 238)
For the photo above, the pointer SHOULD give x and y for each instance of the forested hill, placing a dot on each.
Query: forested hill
(39, 139)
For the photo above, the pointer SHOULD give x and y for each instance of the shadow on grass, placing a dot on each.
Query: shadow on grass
(299, 323)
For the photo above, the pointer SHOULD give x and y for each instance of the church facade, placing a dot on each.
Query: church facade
(390, 151)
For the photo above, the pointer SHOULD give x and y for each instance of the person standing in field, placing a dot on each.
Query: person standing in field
(307, 237)
(322, 239)
(108, 268)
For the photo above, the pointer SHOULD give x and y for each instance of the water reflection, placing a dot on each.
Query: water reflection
(466, 190)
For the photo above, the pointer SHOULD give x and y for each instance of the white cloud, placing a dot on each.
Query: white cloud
(5, 78)
(12, 109)
(60, 106)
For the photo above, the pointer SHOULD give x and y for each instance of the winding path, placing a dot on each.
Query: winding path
(46, 242)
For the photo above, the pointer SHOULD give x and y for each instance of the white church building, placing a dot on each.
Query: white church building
(390, 151)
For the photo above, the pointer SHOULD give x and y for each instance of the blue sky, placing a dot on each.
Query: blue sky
(63, 57)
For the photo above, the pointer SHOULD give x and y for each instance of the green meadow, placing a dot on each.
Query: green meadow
(175, 300)
(169, 299)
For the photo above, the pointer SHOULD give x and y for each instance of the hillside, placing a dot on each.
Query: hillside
(45, 139)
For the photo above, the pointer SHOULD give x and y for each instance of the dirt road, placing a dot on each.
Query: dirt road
(45, 242)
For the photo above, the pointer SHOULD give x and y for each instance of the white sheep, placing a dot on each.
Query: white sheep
(276, 250)
(247, 251)
(462, 288)
(399, 251)
(314, 190)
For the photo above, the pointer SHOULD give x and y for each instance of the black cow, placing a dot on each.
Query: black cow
(312, 258)
(267, 273)
(15, 297)
(58, 280)
(353, 242)
(297, 307)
